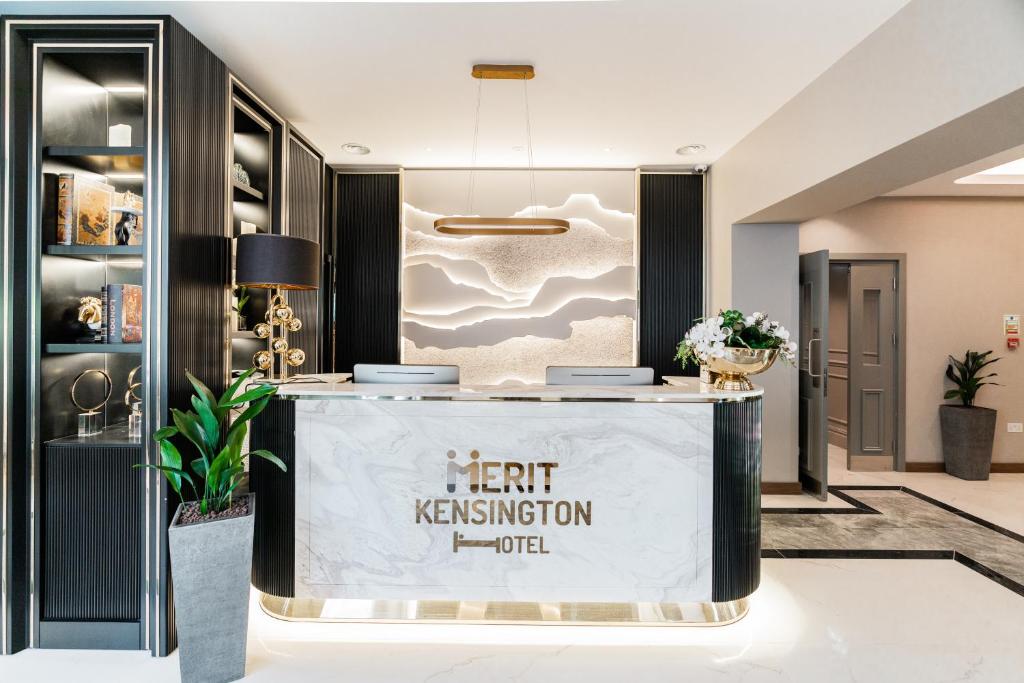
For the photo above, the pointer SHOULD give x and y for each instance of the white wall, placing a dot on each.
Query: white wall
(939, 85)
(965, 269)
(766, 277)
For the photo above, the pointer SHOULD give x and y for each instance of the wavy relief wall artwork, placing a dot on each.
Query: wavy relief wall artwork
(503, 308)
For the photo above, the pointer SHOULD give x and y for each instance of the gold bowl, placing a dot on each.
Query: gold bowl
(733, 368)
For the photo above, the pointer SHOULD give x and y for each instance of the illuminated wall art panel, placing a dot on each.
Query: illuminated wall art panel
(503, 308)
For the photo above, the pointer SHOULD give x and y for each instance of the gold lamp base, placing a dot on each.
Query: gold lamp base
(279, 315)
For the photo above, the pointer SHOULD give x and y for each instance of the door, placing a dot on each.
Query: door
(872, 359)
(813, 380)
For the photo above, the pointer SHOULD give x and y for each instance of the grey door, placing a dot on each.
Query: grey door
(813, 363)
(872, 360)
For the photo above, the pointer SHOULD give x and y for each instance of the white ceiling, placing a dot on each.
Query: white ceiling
(945, 185)
(619, 83)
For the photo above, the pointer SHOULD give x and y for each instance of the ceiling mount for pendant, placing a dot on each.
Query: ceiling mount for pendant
(503, 72)
(510, 225)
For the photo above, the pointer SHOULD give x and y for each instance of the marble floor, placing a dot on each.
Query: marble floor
(895, 524)
(999, 500)
(812, 620)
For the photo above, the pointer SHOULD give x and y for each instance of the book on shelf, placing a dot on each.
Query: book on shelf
(122, 319)
(83, 210)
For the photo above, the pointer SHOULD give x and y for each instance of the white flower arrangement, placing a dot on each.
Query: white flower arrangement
(710, 337)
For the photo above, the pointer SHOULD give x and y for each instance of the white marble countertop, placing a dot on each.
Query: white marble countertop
(688, 391)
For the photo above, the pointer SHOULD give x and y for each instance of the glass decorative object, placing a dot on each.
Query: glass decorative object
(240, 174)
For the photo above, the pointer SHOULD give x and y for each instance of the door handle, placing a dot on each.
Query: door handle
(810, 359)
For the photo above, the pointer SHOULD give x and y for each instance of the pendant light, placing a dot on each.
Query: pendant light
(508, 225)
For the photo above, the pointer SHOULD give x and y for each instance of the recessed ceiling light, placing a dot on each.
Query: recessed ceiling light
(608, 149)
(687, 150)
(428, 149)
(355, 148)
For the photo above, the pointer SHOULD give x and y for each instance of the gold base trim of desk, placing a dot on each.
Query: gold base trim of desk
(531, 613)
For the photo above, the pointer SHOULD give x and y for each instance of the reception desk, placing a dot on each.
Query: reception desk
(539, 504)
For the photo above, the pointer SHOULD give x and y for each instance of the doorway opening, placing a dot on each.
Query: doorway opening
(864, 356)
(852, 392)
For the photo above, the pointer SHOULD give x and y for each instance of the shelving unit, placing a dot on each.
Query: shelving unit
(76, 110)
(256, 139)
(85, 561)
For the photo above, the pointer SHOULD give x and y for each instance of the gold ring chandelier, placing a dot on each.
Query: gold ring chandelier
(509, 225)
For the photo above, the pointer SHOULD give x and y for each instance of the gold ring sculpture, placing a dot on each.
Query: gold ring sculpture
(106, 397)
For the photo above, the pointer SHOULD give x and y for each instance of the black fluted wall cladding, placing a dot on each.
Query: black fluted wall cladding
(305, 211)
(368, 248)
(671, 210)
(736, 520)
(198, 251)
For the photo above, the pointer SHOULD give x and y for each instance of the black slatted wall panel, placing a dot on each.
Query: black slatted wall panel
(736, 520)
(94, 531)
(196, 162)
(327, 275)
(305, 187)
(17, 367)
(671, 266)
(367, 269)
(273, 555)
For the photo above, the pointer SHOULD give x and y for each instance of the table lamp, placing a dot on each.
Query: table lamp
(277, 263)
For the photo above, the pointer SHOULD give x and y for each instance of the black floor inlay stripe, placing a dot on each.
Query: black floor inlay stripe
(900, 523)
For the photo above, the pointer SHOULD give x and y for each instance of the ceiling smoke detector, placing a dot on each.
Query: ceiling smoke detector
(355, 148)
(687, 150)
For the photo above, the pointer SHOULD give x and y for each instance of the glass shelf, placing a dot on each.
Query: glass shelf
(94, 252)
(93, 348)
(112, 435)
(101, 160)
(245, 193)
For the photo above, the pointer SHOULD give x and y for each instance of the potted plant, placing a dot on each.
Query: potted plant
(238, 309)
(211, 533)
(968, 430)
(732, 346)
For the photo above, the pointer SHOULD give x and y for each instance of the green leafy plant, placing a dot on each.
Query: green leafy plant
(217, 471)
(242, 298)
(966, 375)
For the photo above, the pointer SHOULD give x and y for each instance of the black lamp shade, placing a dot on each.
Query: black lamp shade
(266, 261)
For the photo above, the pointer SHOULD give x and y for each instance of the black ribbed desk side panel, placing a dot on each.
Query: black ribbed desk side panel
(91, 533)
(736, 559)
(273, 554)
(671, 277)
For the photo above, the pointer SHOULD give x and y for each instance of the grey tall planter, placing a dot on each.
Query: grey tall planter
(211, 564)
(967, 436)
